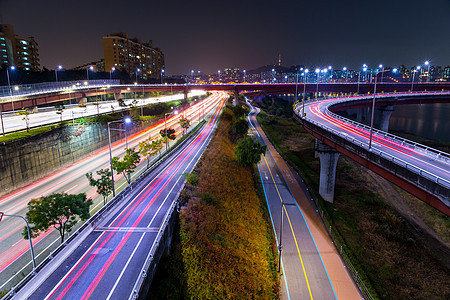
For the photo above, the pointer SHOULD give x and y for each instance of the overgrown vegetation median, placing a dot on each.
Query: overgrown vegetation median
(398, 262)
(225, 247)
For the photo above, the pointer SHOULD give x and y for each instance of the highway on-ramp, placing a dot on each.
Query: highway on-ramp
(108, 262)
(14, 250)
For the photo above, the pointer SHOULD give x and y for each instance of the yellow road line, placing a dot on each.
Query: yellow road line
(292, 230)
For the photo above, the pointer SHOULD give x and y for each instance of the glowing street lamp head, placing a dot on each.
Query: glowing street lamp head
(59, 67)
(427, 63)
(418, 68)
(364, 69)
(329, 68)
(113, 69)
(127, 120)
(175, 112)
(13, 68)
(138, 70)
(395, 70)
(91, 68)
(380, 66)
(306, 70)
(317, 70)
(364, 66)
(344, 69)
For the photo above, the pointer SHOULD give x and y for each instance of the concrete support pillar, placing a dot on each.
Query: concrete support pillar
(236, 98)
(117, 96)
(82, 101)
(386, 112)
(328, 161)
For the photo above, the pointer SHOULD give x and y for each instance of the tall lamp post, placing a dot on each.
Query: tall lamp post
(304, 91)
(110, 72)
(137, 71)
(359, 77)
(412, 81)
(162, 75)
(9, 84)
(373, 104)
(296, 84)
(427, 63)
(29, 237)
(344, 69)
(280, 245)
(127, 120)
(382, 73)
(317, 87)
(91, 68)
(165, 124)
(56, 72)
(245, 71)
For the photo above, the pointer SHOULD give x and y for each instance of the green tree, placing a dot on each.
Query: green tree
(57, 210)
(170, 134)
(104, 184)
(248, 151)
(239, 111)
(25, 117)
(184, 123)
(127, 165)
(150, 147)
(59, 110)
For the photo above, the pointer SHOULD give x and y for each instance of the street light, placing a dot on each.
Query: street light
(427, 63)
(165, 124)
(9, 85)
(304, 92)
(331, 73)
(412, 82)
(344, 69)
(244, 74)
(56, 72)
(162, 75)
(373, 105)
(359, 77)
(317, 88)
(126, 120)
(280, 246)
(29, 238)
(110, 72)
(218, 71)
(137, 71)
(91, 68)
(382, 73)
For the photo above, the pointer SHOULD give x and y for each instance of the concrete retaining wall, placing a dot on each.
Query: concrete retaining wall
(27, 160)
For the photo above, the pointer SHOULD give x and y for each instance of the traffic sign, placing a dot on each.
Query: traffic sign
(1, 216)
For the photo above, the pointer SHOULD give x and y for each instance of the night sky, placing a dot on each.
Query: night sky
(211, 35)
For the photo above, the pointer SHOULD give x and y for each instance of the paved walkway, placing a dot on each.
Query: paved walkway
(304, 280)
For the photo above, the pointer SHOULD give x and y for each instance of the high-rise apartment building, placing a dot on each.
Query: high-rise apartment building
(133, 56)
(18, 51)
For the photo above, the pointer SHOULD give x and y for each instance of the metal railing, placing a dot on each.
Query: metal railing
(45, 87)
(410, 172)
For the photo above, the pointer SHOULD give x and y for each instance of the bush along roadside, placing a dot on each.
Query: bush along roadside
(386, 251)
(225, 247)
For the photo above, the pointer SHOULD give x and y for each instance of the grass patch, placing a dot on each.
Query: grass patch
(24, 134)
(225, 242)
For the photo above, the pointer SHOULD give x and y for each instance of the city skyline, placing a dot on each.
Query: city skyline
(247, 35)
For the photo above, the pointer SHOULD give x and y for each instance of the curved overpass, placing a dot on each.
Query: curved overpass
(420, 170)
(93, 88)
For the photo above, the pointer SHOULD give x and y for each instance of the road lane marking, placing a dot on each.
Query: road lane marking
(292, 230)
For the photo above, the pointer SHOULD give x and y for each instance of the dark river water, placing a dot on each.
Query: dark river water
(430, 121)
(427, 120)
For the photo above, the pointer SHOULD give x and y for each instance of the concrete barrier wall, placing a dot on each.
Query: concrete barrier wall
(27, 160)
